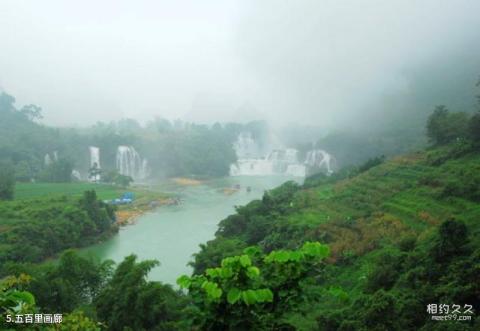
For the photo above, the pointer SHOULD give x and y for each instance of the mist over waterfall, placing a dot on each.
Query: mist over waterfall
(94, 157)
(47, 160)
(245, 146)
(278, 161)
(130, 163)
(319, 159)
(94, 162)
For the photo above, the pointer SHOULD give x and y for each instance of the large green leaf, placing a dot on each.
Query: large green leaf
(22, 296)
(316, 249)
(253, 272)
(184, 281)
(264, 295)
(245, 261)
(233, 295)
(249, 297)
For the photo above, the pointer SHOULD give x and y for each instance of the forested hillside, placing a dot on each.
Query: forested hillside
(172, 148)
(369, 248)
(402, 235)
(36, 229)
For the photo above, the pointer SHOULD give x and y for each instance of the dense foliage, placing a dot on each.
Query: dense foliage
(403, 234)
(191, 150)
(396, 236)
(254, 291)
(444, 127)
(173, 149)
(23, 142)
(33, 231)
(130, 302)
(59, 171)
(7, 181)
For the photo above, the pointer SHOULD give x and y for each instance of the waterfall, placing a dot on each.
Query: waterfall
(94, 162)
(280, 161)
(144, 170)
(252, 167)
(277, 162)
(47, 159)
(319, 159)
(94, 156)
(296, 170)
(76, 175)
(129, 163)
(245, 146)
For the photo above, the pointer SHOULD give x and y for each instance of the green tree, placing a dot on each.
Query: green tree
(59, 171)
(32, 112)
(451, 241)
(14, 299)
(129, 301)
(94, 172)
(7, 181)
(474, 129)
(74, 281)
(23, 171)
(6, 102)
(444, 127)
(254, 291)
(122, 180)
(98, 211)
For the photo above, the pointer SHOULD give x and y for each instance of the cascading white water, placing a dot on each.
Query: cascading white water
(319, 159)
(296, 170)
(76, 175)
(94, 162)
(94, 157)
(252, 167)
(281, 159)
(277, 162)
(144, 169)
(129, 163)
(47, 160)
(245, 146)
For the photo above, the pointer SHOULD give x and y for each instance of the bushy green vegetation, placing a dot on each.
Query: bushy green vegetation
(7, 181)
(114, 178)
(368, 248)
(172, 148)
(444, 127)
(403, 234)
(59, 171)
(129, 301)
(254, 291)
(398, 241)
(23, 142)
(16, 296)
(33, 230)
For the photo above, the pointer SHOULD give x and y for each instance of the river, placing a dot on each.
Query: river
(171, 234)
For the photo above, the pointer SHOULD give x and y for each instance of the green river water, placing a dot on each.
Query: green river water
(171, 234)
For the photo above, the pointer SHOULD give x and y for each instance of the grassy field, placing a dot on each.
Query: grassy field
(40, 190)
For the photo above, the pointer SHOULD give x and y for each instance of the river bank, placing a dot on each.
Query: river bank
(145, 200)
(173, 232)
(128, 214)
(149, 198)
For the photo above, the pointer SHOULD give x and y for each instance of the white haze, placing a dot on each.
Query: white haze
(325, 62)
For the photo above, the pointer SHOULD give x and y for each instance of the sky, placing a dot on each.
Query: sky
(306, 61)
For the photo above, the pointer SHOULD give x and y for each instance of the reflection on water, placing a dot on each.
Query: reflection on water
(171, 234)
